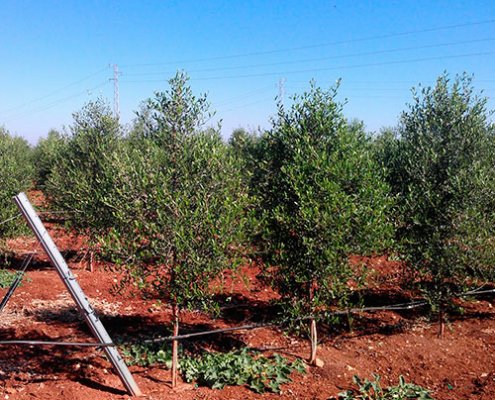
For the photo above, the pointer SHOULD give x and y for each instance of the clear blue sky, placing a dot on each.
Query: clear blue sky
(56, 54)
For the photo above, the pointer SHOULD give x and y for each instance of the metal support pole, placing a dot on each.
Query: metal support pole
(76, 292)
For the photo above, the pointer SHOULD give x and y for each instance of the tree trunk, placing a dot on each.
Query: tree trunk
(314, 342)
(91, 267)
(312, 328)
(441, 321)
(175, 344)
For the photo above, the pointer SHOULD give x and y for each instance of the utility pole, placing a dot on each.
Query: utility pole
(281, 90)
(115, 79)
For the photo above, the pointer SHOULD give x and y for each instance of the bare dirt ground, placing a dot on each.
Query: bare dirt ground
(459, 365)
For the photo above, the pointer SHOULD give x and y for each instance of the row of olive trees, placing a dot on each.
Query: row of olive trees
(16, 175)
(425, 189)
(174, 205)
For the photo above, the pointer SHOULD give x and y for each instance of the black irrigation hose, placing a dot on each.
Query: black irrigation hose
(131, 342)
(17, 280)
(400, 306)
(476, 292)
(48, 343)
(10, 219)
(403, 306)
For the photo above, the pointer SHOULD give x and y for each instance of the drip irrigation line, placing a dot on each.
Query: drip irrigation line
(160, 339)
(10, 219)
(476, 292)
(135, 341)
(17, 280)
(59, 212)
(403, 306)
(205, 333)
(50, 343)
(199, 334)
(39, 213)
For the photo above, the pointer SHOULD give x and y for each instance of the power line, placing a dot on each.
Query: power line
(334, 43)
(354, 66)
(244, 96)
(50, 94)
(368, 53)
(56, 102)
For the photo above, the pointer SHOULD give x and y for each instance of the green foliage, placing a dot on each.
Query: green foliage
(146, 355)
(322, 199)
(440, 166)
(217, 370)
(259, 373)
(83, 177)
(47, 154)
(372, 390)
(16, 175)
(244, 145)
(173, 115)
(7, 278)
(178, 201)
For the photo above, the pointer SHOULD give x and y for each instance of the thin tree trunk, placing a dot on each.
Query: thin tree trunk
(349, 321)
(441, 321)
(175, 344)
(312, 328)
(314, 342)
(91, 268)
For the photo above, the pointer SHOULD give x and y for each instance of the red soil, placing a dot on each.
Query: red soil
(459, 365)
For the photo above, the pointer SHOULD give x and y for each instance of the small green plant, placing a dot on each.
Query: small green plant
(7, 277)
(259, 373)
(217, 370)
(372, 390)
(145, 355)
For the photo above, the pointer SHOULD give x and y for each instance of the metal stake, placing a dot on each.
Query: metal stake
(76, 292)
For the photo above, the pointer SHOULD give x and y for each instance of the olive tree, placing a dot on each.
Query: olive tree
(179, 202)
(441, 168)
(82, 178)
(322, 200)
(47, 154)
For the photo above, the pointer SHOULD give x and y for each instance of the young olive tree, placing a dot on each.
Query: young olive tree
(47, 154)
(441, 166)
(179, 203)
(16, 175)
(82, 178)
(322, 200)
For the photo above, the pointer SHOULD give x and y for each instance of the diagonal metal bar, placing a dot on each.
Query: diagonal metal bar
(16, 281)
(76, 292)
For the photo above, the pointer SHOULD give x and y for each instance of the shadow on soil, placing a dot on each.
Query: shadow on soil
(81, 364)
(33, 364)
(38, 263)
